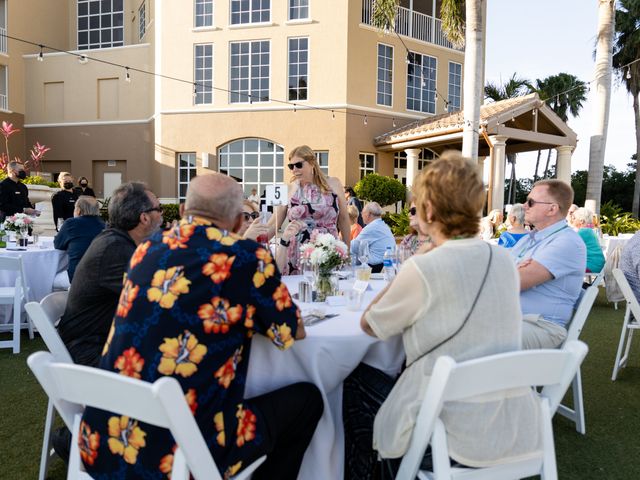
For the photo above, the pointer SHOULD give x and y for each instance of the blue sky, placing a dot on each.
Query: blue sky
(547, 37)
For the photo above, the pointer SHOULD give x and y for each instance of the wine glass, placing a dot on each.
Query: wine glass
(308, 270)
(363, 252)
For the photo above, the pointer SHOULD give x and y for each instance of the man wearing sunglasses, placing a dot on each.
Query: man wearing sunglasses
(551, 263)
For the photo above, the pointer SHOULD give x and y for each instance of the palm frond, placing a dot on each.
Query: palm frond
(384, 14)
(452, 13)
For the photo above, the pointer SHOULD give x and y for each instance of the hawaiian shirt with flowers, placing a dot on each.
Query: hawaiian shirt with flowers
(192, 298)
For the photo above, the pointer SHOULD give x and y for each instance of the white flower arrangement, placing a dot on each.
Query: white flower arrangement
(18, 222)
(325, 251)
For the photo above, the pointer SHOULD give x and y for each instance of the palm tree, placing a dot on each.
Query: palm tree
(461, 19)
(604, 58)
(514, 87)
(626, 49)
(565, 94)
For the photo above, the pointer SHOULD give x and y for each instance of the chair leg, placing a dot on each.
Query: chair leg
(549, 468)
(45, 455)
(578, 405)
(625, 357)
(29, 325)
(616, 364)
(16, 327)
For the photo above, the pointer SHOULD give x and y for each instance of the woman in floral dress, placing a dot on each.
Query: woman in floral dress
(315, 202)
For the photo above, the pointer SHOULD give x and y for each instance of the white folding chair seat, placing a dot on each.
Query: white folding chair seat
(451, 381)
(15, 296)
(44, 315)
(629, 325)
(576, 414)
(162, 403)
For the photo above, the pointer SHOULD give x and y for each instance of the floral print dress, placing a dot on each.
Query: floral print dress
(192, 298)
(319, 211)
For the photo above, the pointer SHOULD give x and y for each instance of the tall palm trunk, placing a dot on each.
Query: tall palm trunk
(636, 188)
(604, 54)
(473, 76)
(535, 174)
(545, 174)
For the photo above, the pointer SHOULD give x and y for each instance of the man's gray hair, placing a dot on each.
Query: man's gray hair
(216, 195)
(13, 165)
(127, 203)
(374, 209)
(87, 206)
(517, 211)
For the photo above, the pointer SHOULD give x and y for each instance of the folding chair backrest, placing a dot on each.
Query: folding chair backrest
(162, 403)
(14, 264)
(44, 315)
(582, 310)
(629, 296)
(551, 369)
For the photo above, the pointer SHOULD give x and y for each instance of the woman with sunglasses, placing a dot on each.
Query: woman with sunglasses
(415, 239)
(316, 202)
(250, 214)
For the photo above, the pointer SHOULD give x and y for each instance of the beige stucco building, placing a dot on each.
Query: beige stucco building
(226, 85)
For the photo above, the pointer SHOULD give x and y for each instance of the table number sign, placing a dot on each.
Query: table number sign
(277, 194)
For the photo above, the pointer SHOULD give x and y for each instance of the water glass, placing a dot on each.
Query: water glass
(354, 299)
(363, 252)
(363, 273)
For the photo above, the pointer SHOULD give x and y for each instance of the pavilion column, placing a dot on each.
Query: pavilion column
(498, 155)
(563, 163)
(480, 167)
(412, 166)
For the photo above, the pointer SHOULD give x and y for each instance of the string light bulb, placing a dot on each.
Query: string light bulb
(294, 108)
(195, 90)
(40, 55)
(127, 75)
(365, 119)
(333, 114)
(82, 59)
(628, 76)
(394, 123)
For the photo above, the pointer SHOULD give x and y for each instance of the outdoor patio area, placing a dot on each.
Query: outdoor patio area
(607, 451)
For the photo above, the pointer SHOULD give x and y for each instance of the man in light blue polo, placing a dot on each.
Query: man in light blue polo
(376, 233)
(551, 263)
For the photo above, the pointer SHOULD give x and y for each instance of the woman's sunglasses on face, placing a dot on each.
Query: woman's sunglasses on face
(413, 211)
(297, 165)
(250, 216)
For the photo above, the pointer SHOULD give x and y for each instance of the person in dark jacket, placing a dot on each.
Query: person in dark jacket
(64, 201)
(14, 196)
(83, 187)
(350, 195)
(77, 233)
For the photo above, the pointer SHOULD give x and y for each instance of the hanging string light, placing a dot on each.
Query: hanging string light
(333, 114)
(40, 55)
(127, 75)
(195, 90)
(365, 119)
(628, 76)
(394, 123)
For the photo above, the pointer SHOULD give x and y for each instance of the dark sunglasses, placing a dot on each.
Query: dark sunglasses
(154, 209)
(297, 165)
(250, 216)
(413, 211)
(531, 202)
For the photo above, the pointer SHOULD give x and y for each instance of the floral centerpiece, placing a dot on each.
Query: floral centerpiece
(18, 223)
(325, 253)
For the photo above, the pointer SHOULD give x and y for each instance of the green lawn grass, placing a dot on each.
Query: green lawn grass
(610, 449)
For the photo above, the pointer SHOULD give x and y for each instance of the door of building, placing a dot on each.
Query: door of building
(111, 181)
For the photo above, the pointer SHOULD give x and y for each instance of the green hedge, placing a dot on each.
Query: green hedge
(170, 211)
(384, 190)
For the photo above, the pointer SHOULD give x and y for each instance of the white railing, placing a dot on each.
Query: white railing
(412, 24)
(4, 103)
(3, 40)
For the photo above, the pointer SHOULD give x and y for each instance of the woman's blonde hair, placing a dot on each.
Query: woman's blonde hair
(304, 152)
(353, 212)
(455, 191)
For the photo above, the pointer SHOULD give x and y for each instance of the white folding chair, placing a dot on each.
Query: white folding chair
(162, 403)
(576, 414)
(630, 323)
(44, 315)
(15, 296)
(451, 381)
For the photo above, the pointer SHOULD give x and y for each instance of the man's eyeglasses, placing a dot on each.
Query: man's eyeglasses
(413, 211)
(531, 202)
(297, 165)
(250, 216)
(154, 209)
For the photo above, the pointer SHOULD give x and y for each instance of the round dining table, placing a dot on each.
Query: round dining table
(332, 349)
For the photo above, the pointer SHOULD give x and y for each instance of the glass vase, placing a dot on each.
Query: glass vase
(326, 285)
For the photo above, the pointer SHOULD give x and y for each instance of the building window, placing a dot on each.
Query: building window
(252, 162)
(249, 72)
(322, 157)
(385, 75)
(100, 24)
(250, 11)
(203, 73)
(186, 171)
(142, 20)
(298, 9)
(298, 68)
(367, 164)
(455, 85)
(421, 83)
(3, 26)
(4, 91)
(204, 13)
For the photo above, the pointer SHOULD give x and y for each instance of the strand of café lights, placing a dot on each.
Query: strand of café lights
(197, 87)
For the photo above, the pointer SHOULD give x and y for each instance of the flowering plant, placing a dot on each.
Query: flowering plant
(18, 222)
(325, 252)
(37, 152)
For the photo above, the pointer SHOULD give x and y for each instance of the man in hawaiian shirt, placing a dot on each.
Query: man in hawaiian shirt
(193, 297)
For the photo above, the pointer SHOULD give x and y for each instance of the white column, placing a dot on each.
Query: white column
(498, 155)
(412, 166)
(563, 163)
(481, 168)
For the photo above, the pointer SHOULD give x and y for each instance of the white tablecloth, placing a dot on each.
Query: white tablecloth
(609, 244)
(40, 266)
(330, 352)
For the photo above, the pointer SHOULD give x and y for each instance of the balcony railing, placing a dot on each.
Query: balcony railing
(4, 103)
(412, 24)
(3, 40)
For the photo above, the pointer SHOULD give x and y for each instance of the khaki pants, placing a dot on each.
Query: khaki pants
(540, 333)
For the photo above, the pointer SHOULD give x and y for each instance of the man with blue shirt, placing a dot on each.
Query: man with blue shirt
(376, 233)
(551, 263)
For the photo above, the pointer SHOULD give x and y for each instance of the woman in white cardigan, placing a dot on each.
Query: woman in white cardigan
(463, 302)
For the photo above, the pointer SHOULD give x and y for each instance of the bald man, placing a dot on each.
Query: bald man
(193, 297)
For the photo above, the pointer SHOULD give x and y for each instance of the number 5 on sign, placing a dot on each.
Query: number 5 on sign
(277, 194)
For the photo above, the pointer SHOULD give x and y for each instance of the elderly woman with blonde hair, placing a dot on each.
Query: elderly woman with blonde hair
(582, 221)
(443, 302)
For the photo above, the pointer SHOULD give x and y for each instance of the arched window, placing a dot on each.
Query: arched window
(253, 162)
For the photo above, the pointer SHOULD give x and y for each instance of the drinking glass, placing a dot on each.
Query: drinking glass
(363, 252)
(308, 270)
